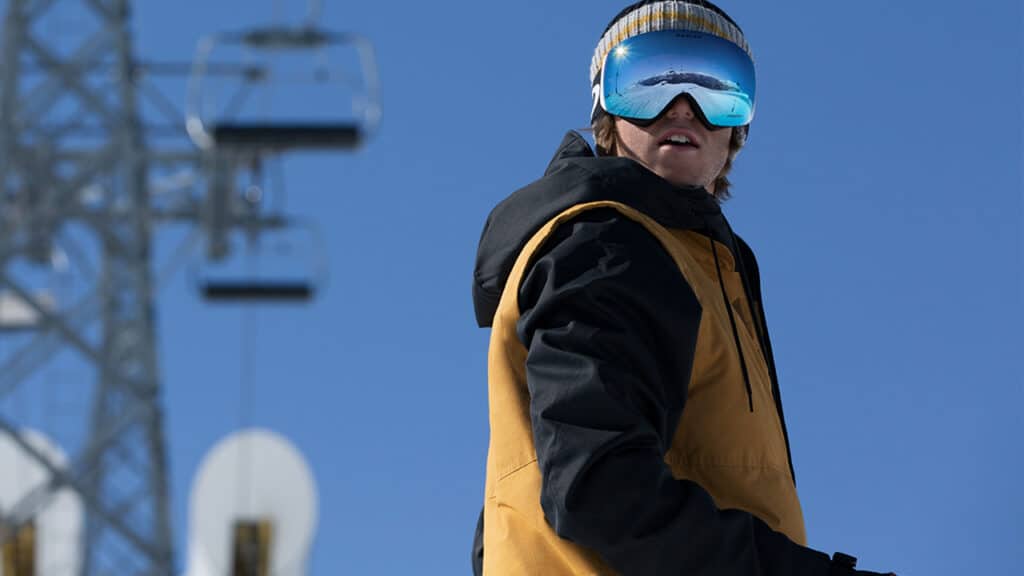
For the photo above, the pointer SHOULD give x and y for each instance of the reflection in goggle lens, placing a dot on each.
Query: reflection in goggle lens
(643, 74)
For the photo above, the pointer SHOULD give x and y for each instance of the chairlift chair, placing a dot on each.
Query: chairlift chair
(251, 287)
(218, 125)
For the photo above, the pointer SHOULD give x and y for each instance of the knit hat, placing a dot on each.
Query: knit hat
(648, 16)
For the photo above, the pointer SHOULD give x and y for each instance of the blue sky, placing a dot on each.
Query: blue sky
(881, 189)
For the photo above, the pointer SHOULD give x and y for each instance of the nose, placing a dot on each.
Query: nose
(680, 107)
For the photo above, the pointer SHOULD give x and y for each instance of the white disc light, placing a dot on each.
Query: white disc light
(251, 475)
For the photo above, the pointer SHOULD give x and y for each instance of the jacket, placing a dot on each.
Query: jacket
(616, 300)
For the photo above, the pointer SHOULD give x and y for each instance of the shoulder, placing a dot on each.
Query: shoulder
(604, 257)
(601, 227)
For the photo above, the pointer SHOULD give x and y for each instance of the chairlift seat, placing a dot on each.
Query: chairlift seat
(282, 136)
(257, 291)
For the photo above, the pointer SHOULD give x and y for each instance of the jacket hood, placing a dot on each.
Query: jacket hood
(575, 176)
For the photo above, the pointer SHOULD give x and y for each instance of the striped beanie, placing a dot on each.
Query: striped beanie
(648, 16)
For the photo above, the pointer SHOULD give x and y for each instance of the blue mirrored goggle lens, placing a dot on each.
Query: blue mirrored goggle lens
(645, 73)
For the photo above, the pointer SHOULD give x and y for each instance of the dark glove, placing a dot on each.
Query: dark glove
(844, 564)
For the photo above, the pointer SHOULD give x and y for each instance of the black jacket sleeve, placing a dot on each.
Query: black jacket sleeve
(610, 326)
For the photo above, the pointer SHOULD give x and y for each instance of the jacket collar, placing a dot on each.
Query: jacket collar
(576, 176)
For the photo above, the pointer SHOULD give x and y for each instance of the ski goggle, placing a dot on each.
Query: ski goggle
(645, 73)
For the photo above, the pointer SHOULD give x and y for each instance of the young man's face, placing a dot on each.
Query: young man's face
(695, 164)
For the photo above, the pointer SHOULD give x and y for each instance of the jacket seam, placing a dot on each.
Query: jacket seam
(505, 475)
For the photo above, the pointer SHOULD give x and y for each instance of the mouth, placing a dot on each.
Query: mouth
(679, 139)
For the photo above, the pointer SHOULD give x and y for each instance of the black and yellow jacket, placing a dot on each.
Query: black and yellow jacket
(636, 419)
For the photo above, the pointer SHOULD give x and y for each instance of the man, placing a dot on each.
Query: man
(636, 419)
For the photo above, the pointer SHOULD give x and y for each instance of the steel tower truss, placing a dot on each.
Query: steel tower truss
(76, 150)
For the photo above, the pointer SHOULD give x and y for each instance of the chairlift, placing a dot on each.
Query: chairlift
(277, 266)
(244, 121)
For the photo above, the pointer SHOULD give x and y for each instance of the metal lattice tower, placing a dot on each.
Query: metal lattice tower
(43, 172)
(69, 122)
(93, 159)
